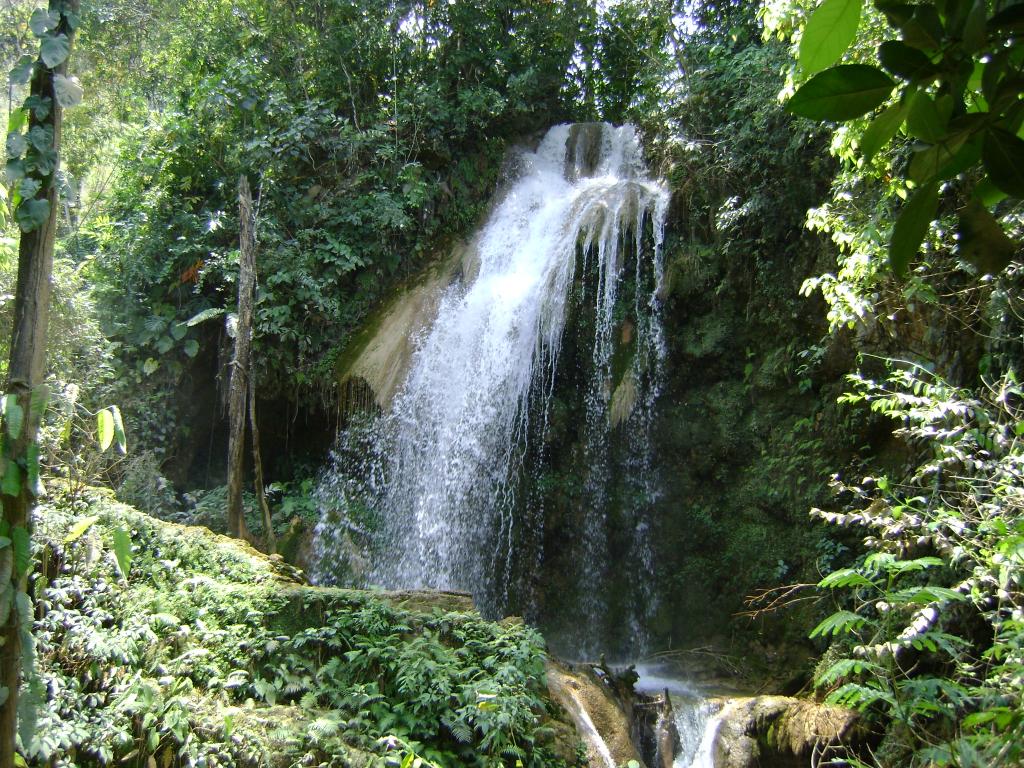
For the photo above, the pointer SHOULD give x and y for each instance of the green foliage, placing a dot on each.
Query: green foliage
(385, 146)
(829, 32)
(31, 157)
(957, 65)
(841, 93)
(189, 653)
(929, 636)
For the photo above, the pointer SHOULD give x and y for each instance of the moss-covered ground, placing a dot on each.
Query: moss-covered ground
(191, 648)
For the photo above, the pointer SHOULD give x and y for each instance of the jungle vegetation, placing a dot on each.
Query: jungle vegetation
(856, 167)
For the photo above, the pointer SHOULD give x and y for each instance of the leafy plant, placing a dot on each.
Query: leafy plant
(157, 655)
(930, 624)
(956, 66)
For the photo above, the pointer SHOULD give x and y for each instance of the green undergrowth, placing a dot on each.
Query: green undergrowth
(193, 649)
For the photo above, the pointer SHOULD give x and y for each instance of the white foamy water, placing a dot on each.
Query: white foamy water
(445, 457)
(696, 718)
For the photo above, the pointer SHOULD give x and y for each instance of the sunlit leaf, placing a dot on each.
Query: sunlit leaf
(42, 21)
(119, 435)
(14, 415)
(123, 550)
(67, 90)
(78, 529)
(206, 314)
(828, 33)
(104, 428)
(54, 50)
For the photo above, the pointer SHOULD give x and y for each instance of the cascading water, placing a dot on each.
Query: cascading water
(437, 476)
(693, 715)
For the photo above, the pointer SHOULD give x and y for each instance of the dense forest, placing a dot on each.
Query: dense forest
(772, 442)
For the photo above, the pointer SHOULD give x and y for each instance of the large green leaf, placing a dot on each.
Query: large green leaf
(42, 21)
(912, 226)
(32, 475)
(21, 543)
(67, 90)
(16, 145)
(900, 59)
(22, 71)
(28, 187)
(14, 415)
(924, 30)
(829, 32)
(11, 483)
(1003, 156)
(974, 33)
(6, 573)
(44, 162)
(897, 14)
(6, 587)
(948, 158)
(929, 118)
(54, 50)
(881, 130)
(841, 93)
(13, 171)
(18, 119)
(981, 239)
(119, 435)
(41, 138)
(32, 214)
(79, 528)
(123, 550)
(104, 428)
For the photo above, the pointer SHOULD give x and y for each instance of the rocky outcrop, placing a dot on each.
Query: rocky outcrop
(779, 731)
(601, 721)
(374, 365)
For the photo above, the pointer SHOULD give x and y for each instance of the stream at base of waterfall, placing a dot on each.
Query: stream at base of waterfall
(696, 716)
(430, 492)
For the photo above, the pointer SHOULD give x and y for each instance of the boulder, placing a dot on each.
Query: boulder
(779, 731)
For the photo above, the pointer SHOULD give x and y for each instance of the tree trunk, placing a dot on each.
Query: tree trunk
(26, 369)
(257, 461)
(239, 388)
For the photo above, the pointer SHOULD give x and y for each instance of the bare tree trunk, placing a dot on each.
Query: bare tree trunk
(261, 494)
(26, 369)
(239, 388)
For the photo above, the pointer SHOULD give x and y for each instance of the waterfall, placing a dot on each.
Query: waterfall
(433, 483)
(696, 722)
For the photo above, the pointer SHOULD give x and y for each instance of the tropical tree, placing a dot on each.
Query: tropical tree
(33, 146)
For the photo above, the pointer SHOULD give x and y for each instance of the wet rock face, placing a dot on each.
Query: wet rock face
(780, 731)
(583, 150)
(654, 730)
(601, 720)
